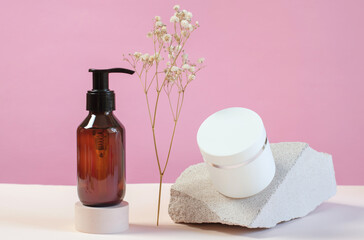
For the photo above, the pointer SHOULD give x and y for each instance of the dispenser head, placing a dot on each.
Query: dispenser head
(100, 98)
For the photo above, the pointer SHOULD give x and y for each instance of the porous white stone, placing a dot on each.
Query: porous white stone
(304, 179)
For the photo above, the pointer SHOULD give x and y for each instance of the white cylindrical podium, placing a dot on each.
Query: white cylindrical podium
(113, 219)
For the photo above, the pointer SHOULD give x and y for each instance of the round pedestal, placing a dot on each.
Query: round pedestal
(114, 219)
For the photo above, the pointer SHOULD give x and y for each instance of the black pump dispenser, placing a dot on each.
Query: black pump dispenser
(101, 98)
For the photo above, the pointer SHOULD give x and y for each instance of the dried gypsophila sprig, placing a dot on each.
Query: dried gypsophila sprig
(178, 71)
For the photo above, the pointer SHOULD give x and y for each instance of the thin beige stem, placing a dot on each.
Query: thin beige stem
(153, 125)
(159, 196)
(140, 77)
(155, 108)
(170, 105)
(145, 81)
(150, 84)
(174, 130)
(150, 114)
(156, 150)
(157, 63)
(180, 107)
(179, 95)
(170, 146)
(133, 65)
(153, 131)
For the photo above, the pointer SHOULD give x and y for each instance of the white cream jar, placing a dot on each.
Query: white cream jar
(234, 145)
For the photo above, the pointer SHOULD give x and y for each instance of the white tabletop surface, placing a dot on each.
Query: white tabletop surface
(47, 212)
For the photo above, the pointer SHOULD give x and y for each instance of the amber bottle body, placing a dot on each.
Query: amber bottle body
(101, 160)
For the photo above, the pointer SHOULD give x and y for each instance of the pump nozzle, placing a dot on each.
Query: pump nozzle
(100, 98)
(100, 77)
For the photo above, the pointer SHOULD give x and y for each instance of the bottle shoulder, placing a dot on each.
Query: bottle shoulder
(117, 121)
(101, 121)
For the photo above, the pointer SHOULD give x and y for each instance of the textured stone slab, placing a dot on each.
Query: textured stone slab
(304, 179)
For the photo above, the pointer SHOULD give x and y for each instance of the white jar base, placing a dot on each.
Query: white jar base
(101, 220)
(245, 181)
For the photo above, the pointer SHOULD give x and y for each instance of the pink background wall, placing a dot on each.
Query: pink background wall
(299, 64)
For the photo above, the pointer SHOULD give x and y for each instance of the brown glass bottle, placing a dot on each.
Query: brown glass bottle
(101, 160)
(101, 145)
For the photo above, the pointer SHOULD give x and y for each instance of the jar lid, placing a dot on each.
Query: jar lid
(231, 136)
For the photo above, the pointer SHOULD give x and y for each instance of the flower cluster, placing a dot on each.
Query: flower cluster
(146, 58)
(178, 70)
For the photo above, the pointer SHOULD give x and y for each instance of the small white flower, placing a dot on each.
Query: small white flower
(170, 77)
(176, 7)
(150, 34)
(192, 69)
(201, 60)
(157, 57)
(184, 23)
(174, 68)
(164, 29)
(158, 24)
(178, 39)
(174, 19)
(145, 57)
(191, 77)
(186, 66)
(197, 23)
(171, 55)
(190, 27)
(189, 15)
(151, 58)
(167, 37)
(137, 55)
(178, 48)
(168, 63)
(184, 33)
(157, 18)
(184, 11)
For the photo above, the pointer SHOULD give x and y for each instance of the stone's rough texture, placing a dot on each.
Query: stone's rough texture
(304, 179)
